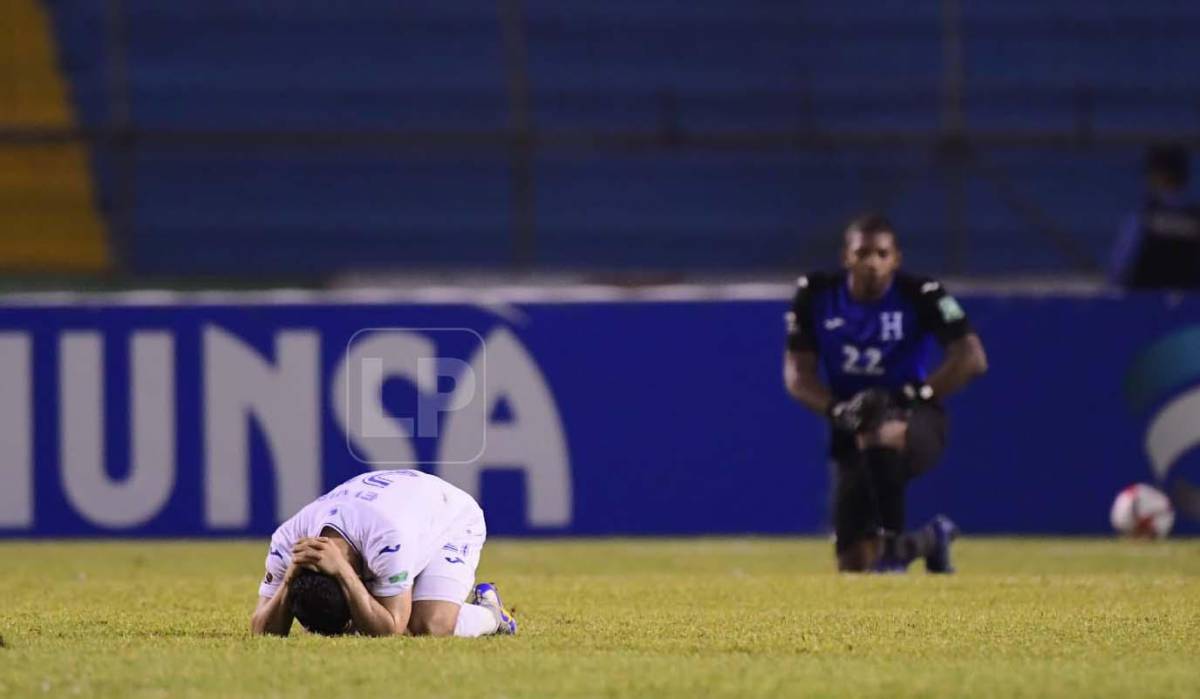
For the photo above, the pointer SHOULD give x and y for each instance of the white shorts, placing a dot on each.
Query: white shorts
(450, 574)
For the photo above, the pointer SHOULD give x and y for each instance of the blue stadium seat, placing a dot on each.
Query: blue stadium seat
(650, 66)
(217, 212)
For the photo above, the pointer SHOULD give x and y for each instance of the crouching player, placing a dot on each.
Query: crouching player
(387, 552)
(868, 329)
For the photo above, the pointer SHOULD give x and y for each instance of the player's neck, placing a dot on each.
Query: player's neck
(860, 293)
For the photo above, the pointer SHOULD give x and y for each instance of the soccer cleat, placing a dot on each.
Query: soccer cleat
(945, 532)
(488, 597)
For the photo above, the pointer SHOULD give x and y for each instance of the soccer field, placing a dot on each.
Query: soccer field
(630, 617)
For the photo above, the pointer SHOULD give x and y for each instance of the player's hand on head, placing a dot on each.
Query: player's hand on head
(318, 554)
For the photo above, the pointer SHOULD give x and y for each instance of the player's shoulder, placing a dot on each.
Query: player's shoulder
(918, 286)
(287, 533)
(817, 281)
(931, 300)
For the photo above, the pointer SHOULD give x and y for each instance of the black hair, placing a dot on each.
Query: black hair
(871, 223)
(1170, 161)
(318, 603)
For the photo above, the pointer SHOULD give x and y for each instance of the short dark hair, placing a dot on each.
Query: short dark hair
(318, 603)
(1169, 160)
(871, 223)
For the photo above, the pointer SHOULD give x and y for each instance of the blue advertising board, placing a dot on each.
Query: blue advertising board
(563, 418)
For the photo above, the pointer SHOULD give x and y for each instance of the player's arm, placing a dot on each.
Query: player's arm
(803, 380)
(371, 616)
(964, 361)
(375, 616)
(1123, 252)
(801, 375)
(964, 358)
(273, 615)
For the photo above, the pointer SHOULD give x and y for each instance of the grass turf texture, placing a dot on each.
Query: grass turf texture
(646, 618)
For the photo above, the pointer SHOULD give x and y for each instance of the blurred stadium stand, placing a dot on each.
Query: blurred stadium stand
(300, 138)
(48, 220)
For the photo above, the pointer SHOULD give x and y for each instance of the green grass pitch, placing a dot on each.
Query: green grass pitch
(630, 617)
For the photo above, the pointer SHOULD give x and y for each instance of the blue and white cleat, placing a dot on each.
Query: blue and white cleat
(488, 597)
(945, 532)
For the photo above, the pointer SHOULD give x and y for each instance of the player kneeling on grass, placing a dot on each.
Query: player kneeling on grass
(387, 552)
(867, 327)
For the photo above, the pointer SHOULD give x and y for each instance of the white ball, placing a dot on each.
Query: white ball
(1142, 511)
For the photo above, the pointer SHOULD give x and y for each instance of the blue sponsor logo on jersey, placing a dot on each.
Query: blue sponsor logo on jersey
(389, 549)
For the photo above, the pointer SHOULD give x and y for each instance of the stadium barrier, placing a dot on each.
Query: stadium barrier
(574, 413)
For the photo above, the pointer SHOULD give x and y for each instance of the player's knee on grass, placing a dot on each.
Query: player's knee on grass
(433, 618)
(860, 556)
(892, 434)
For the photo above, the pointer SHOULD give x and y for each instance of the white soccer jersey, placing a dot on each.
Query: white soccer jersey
(396, 520)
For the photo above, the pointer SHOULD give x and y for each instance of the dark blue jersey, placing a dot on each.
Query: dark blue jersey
(884, 343)
(1160, 246)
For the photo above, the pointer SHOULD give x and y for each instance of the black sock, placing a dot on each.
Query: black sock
(889, 476)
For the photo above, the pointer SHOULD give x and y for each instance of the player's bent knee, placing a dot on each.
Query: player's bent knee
(892, 434)
(859, 557)
(433, 618)
(431, 626)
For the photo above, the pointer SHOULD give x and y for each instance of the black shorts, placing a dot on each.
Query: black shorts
(857, 492)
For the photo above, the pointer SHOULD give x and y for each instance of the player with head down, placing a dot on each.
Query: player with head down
(387, 552)
(868, 328)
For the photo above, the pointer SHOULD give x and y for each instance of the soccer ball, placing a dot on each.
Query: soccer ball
(1142, 511)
